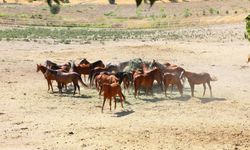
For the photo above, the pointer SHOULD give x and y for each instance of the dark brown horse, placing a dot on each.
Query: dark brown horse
(146, 80)
(111, 91)
(65, 78)
(85, 67)
(84, 61)
(199, 78)
(63, 68)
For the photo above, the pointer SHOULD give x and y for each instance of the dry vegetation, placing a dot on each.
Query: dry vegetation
(32, 118)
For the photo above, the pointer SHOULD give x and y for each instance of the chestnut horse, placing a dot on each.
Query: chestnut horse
(98, 70)
(146, 80)
(112, 90)
(104, 78)
(170, 78)
(199, 78)
(65, 78)
(43, 69)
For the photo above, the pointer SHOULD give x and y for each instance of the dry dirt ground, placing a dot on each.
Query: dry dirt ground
(32, 118)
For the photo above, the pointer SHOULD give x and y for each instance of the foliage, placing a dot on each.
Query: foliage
(247, 27)
(187, 13)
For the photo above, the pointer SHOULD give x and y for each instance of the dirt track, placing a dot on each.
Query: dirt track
(32, 118)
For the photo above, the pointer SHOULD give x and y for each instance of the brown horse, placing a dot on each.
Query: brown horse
(112, 90)
(43, 69)
(146, 80)
(167, 67)
(103, 78)
(199, 78)
(97, 70)
(85, 67)
(54, 66)
(170, 78)
(65, 78)
(248, 60)
(82, 69)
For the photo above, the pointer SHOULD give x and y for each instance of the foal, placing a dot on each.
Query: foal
(111, 90)
(199, 78)
(170, 78)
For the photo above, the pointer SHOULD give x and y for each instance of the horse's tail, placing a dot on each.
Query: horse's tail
(213, 78)
(91, 73)
(80, 79)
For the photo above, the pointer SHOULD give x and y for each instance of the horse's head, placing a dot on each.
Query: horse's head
(84, 61)
(153, 64)
(38, 68)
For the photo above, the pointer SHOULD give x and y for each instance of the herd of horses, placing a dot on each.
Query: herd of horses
(108, 79)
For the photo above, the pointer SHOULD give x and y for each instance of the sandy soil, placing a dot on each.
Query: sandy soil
(32, 118)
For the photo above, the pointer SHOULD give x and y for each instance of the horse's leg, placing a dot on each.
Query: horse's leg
(180, 88)
(172, 88)
(74, 89)
(110, 103)
(210, 88)
(121, 99)
(204, 86)
(48, 85)
(115, 102)
(78, 88)
(51, 86)
(192, 89)
(104, 99)
(166, 88)
(65, 85)
(135, 88)
(59, 85)
(151, 90)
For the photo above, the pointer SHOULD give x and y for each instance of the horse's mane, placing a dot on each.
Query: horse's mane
(97, 62)
(159, 65)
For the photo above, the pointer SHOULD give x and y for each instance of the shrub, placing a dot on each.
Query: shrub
(55, 9)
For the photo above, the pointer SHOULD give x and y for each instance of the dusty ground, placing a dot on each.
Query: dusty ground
(32, 118)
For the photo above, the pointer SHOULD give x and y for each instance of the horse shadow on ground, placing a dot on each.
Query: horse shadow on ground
(70, 94)
(124, 113)
(205, 100)
(165, 98)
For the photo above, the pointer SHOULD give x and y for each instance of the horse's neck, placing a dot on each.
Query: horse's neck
(160, 66)
(43, 69)
(144, 68)
(188, 74)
